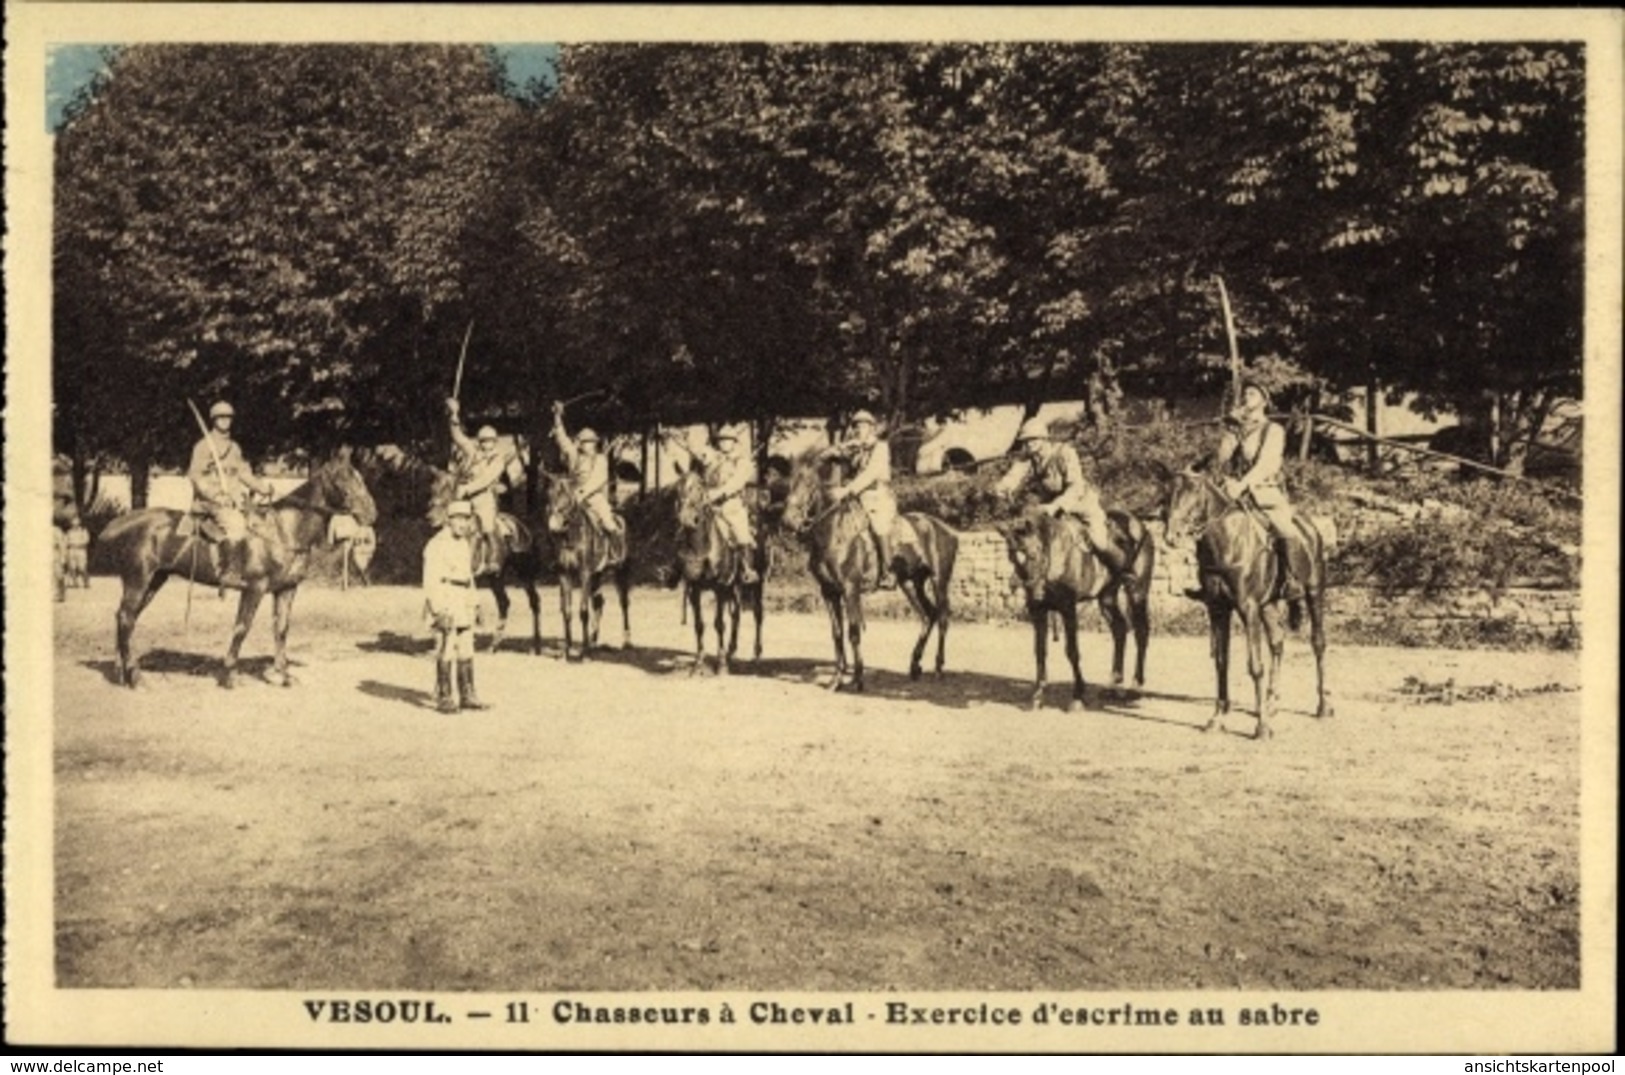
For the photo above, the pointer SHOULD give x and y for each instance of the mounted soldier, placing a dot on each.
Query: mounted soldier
(450, 602)
(222, 481)
(589, 475)
(1248, 462)
(727, 472)
(480, 469)
(869, 458)
(1054, 472)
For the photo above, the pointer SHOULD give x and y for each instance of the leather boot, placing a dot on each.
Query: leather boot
(887, 580)
(233, 564)
(465, 685)
(1291, 587)
(443, 700)
(747, 568)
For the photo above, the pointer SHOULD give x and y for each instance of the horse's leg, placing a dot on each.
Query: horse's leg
(1118, 624)
(914, 590)
(1316, 600)
(1253, 622)
(623, 591)
(735, 614)
(1218, 622)
(247, 605)
(535, 600)
(1041, 624)
(1139, 607)
(500, 592)
(591, 602)
(756, 611)
(282, 619)
(837, 629)
(1069, 622)
(1275, 639)
(721, 625)
(691, 597)
(566, 612)
(940, 586)
(137, 596)
(854, 630)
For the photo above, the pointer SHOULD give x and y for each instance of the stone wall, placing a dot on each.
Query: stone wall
(983, 577)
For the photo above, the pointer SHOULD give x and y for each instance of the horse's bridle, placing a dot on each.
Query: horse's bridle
(1231, 504)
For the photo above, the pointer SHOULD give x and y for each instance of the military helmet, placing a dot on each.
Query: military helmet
(862, 417)
(486, 433)
(458, 508)
(587, 436)
(725, 435)
(1032, 429)
(221, 408)
(1249, 383)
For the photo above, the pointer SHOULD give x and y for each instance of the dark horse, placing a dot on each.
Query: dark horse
(520, 553)
(147, 549)
(585, 558)
(710, 564)
(1241, 573)
(1056, 568)
(845, 562)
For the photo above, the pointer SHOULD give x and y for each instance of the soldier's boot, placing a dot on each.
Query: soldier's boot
(465, 685)
(1122, 569)
(443, 700)
(233, 564)
(748, 576)
(883, 546)
(1291, 585)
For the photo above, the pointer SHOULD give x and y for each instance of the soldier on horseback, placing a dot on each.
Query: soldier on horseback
(480, 471)
(221, 480)
(450, 603)
(870, 460)
(727, 473)
(589, 475)
(1054, 471)
(1248, 461)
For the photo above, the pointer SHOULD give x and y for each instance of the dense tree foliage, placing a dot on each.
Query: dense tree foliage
(752, 232)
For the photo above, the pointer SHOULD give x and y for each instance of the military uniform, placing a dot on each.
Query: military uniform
(1250, 457)
(221, 481)
(480, 471)
(1056, 472)
(450, 601)
(589, 475)
(78, 554)
(727, 475)
(870, 459)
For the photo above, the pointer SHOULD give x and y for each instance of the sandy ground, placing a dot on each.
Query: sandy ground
(621, 825)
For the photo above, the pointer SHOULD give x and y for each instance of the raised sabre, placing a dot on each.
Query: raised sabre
(1235, 352)
(457, 383)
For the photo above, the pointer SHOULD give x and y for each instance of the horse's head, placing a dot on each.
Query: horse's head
(561, 500)
(1191, 502)
(807, 495)
(691, 500)
(1027, 542)
(337, 487)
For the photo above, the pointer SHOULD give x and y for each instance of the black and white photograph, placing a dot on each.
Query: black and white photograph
(1054, 530)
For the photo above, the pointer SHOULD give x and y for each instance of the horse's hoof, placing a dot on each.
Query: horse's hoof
(1210, 726)
(915, 672)
(1264, 731)
(1325, 711)
(286, 679)
(722, 670)
(229, 681)
(131, 678)
(1036, 704)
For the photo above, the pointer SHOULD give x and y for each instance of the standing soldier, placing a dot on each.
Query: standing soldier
(480, 470)
(78, 556)
(727, 473)
(1248, 461)
(221, 480)
(870, 460)
(449, 602)
(1054, 471)
(589, 473)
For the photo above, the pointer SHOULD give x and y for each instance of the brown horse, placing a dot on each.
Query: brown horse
(585, 558)
(520, 552)
(845, 563)
(147, 549)
(1056, 568)
(710, 564)
(1241, 573)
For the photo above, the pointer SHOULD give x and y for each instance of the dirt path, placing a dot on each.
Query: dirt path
(620, 825)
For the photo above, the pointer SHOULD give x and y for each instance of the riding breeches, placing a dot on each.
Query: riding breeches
(456, 644)
(485, 511)
(1277, 512)
(881, 507)
(602, 514)
(1089, 511)
(736, 523)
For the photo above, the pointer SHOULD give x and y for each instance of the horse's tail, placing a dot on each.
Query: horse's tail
(1294, 615)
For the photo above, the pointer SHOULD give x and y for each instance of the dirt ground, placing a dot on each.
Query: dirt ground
(619, 825)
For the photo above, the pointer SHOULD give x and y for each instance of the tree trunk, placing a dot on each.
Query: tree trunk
(140, 475)
(1373, 423)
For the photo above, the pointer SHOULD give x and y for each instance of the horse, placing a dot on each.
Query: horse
(845, 562)
(1241, 573)
(710, 564)
(1057, 570)
(521, 555)
(584, 561)
(146, 547)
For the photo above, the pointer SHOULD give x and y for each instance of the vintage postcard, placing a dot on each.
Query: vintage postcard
(1039, 530)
